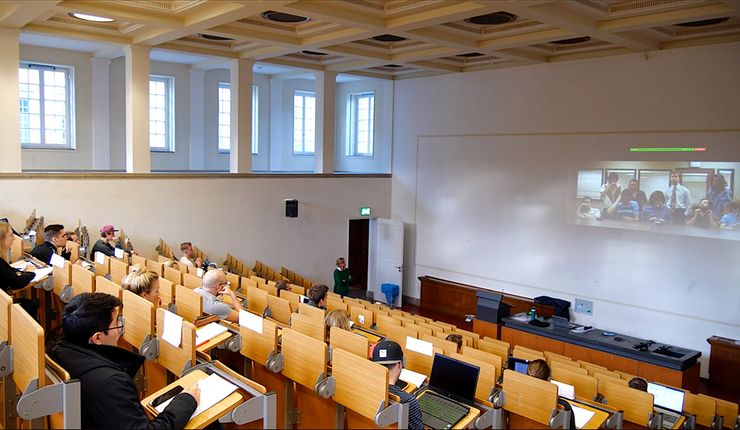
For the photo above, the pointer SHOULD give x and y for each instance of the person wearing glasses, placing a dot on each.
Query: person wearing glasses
(214, 287)
(91, 325)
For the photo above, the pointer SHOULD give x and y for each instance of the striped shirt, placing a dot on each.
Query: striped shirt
(415, 422)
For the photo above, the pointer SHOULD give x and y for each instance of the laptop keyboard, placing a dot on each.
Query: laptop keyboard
(669, 420)
(439, 412)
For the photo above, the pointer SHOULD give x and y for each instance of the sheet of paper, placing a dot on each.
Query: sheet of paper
(172, 332)
(213, 389)
(420, 346)
(581, 415)
(250, 321)
(118, 252)
(208, 332)
(100, 258)
(57, 260)
(199, 273)
(41, 273)
(412, 377)
(20, 265)
(565, 390)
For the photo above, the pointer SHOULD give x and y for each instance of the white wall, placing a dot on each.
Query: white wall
(281, 126)
(220, 214)
(82, 156)
(692, 89)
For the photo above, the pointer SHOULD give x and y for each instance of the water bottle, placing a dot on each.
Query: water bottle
(532, 314)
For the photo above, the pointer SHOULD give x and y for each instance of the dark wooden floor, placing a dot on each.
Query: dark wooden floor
(729, 394)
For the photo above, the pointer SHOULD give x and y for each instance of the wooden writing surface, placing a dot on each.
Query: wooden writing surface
(28, 349)
(103, 285)
(139, 317)
(305, 357)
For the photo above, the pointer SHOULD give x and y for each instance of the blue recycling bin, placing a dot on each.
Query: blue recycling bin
(390, 291)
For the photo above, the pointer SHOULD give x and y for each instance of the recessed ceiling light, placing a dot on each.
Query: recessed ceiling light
(214, 37)
(283, 17)
(572, 41)
(91, 18)
(388, 38)
(470, 55)
(704, 22)
(313, 53)
(494, 18)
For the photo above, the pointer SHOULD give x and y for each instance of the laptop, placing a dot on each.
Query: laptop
(518, 365)
(450, 393)
(667, 400)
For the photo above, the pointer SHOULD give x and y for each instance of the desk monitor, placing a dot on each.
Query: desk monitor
(454, 378)
(666, 397)
(566, 391)
(518, 365)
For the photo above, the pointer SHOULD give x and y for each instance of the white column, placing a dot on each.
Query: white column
(138, 154)
(10, 144)
(240, 160)
(101, 112)
(197, 119)
(326, 86)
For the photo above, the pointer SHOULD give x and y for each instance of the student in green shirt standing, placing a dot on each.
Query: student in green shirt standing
(342, 278)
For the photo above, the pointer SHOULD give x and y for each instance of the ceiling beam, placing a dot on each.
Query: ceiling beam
(122, 12)
(524, 39)
(245, 32)
(76, 34)
(197, 49)
(16, 15)
(667, 18)
(552, 14)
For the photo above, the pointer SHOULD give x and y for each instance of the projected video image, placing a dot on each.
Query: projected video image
(696, 199)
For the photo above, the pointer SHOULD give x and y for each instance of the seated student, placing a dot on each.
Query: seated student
(215, 285)
(143, 283)
(107, 243)
(541, 370)
(342, 278)
(281, 286)
(638, 384)
(703, 216)
(389, 354)
(54, 238)
(72, 237)
(458, 339)
(626, 209)
(188, 256)
(731, 219)
(10, 277)
(585, 210)
(317, 296)
(91, 326)
(337, 318)
(656, 211)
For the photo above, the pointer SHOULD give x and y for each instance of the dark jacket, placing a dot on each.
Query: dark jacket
(12, 278)
(44, 251)
(103, 247)
(109, 396)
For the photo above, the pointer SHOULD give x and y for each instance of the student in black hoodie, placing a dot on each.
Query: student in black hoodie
(92, 324)
(54, 239)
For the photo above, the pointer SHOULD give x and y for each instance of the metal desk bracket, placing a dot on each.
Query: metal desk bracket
(62, 397)
(486, 420)
(6, 359)
(616, 421)
(690, 422)
(172, 308)
(275, 362)
(655, 421)
(560, 419)
(394, 413)
(66, 294)
(149, 347)
(325, 386)
(47, 284)
(235, 343)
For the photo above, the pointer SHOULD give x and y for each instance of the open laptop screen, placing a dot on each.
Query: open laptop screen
(454, 377)
(666, 397)
(518, 365)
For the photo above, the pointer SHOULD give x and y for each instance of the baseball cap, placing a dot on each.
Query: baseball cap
(108, 229)
(387, 352)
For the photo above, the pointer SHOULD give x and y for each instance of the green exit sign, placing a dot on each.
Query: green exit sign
(364, 211)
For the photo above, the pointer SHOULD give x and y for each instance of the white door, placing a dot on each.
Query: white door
(385, 257)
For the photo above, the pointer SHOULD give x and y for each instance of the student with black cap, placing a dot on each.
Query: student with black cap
(389, 354)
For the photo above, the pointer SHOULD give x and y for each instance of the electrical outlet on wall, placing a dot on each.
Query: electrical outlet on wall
(584, 307)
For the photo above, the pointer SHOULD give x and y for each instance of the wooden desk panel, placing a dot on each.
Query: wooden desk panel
(724, 360)
(532, 341)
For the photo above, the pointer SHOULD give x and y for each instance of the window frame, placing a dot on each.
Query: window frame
(69, 72)
(353, 101)
(255, 118)
(169, 107)
(305, 94)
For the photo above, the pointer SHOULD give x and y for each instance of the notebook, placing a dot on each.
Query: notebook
(208, 332)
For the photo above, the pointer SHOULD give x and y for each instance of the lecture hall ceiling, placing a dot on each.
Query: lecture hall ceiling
(390, 39)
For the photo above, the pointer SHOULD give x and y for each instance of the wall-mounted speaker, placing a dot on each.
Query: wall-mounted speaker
(291, 208)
